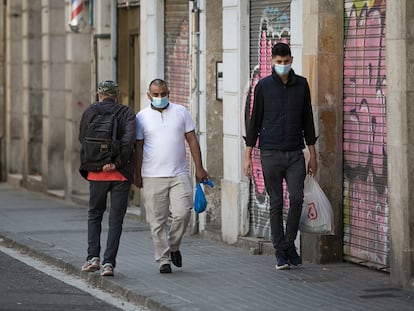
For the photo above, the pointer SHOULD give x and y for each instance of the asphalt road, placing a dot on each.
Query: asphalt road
(24, 287)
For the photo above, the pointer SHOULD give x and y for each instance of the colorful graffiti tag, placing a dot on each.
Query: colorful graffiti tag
(365, 148)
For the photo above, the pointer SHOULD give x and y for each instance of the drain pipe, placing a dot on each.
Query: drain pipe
(195, 81)
(114, 39)
(195, 13)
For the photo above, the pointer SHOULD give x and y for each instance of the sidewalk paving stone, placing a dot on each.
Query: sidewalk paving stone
(215, 276)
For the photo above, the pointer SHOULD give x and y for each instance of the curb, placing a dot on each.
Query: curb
(94, 279)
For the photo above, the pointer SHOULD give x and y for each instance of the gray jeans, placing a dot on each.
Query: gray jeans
(99, 190)
(289, 165)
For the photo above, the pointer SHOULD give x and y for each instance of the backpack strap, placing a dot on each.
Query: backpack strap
(115, 129)
(118, 108)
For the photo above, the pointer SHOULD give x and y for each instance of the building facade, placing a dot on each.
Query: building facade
(357, 56)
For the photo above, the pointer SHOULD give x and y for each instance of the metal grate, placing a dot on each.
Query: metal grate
(366, 214)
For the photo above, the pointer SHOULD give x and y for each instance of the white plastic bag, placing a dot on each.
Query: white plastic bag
(317, 213)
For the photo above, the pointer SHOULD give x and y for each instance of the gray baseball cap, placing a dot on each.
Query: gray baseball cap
(108, 87)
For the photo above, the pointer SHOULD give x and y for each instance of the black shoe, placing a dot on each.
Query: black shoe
(293, 256)
(165, 268)
(176, 259)
(282, 261)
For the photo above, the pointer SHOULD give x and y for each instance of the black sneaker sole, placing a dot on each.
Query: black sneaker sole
(176, 259)
(296, 266)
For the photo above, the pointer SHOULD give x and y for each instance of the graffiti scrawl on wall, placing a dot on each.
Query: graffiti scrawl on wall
(274, 23)
(364, 145)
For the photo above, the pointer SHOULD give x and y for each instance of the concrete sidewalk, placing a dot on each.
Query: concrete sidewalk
(214, 276)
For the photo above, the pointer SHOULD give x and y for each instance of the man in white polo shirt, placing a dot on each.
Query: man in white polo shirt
(162, 171)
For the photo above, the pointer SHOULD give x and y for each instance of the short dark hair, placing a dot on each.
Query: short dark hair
(158, 82)
(281, 49)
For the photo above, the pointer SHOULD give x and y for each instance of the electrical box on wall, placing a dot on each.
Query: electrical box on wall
(219, 80)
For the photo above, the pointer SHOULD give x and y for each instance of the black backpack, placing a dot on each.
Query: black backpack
(100, 145)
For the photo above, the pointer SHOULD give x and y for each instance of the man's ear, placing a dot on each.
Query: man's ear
(149, 96)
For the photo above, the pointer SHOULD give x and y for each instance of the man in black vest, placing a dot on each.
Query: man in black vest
(282, 120)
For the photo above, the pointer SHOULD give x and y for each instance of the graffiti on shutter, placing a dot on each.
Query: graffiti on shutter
(366, 214)
(269, 24)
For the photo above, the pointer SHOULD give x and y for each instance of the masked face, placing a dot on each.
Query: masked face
(158, 95)
(282, 70)
(282, 64)
(160, 102)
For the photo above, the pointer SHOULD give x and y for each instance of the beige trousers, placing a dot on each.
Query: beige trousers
(168, 202)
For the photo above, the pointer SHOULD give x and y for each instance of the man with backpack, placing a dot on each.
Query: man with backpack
(107, 134)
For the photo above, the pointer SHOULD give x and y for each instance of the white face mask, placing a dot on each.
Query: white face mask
(158, 102)
(282, 70)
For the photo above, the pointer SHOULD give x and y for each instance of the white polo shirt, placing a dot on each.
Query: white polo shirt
(164, 140)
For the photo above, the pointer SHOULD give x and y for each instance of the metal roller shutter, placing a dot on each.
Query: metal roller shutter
(269, 23)
(177, 50)
(366, 214)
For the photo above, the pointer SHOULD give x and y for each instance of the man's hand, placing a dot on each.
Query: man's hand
(312, 163)
(108, 167)
(247, 165)
(201, 174)
(139, 150)
(138, 181)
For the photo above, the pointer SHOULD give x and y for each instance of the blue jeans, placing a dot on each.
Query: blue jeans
(119, 193)
(289, 165)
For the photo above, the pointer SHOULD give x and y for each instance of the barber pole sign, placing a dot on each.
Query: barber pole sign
(75, 14)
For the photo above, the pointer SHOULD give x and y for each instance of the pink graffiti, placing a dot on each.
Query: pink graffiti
(365, 151)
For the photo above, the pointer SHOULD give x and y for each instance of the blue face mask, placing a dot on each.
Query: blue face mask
(282, 70)
(160, 103)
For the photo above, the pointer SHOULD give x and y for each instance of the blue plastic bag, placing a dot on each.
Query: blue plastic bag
(200, 202)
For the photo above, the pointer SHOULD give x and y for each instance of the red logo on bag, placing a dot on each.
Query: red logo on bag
(312, 211)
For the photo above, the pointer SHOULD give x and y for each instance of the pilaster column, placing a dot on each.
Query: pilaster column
(54, 106)
(14, 98)
(80, 91)
(32, 92)
(323, 65)
(235, 187)
(400, 138)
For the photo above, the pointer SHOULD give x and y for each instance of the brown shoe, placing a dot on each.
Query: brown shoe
(107, 270)
(91, 265)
